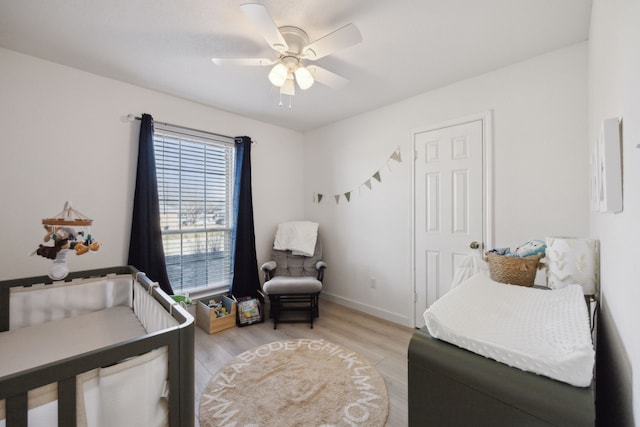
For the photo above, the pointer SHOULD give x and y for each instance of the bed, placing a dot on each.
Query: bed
(104, 347)
(459, 379)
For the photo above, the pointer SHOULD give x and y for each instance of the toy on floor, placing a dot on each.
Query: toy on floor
(218, 309)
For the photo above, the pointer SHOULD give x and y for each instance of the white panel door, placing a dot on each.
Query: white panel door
(448, 202)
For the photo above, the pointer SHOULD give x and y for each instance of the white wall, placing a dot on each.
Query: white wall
(614, 91)
(540, 173)
(64, 138)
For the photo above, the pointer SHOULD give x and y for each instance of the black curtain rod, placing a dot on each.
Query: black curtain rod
(189, 129)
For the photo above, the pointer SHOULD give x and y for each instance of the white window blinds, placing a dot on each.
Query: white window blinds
(195, 173)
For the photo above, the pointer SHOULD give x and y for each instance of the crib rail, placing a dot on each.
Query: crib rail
(179, 341)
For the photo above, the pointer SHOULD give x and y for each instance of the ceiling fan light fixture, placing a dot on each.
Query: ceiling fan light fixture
(278, 74)
(304, 78)
(289, 87)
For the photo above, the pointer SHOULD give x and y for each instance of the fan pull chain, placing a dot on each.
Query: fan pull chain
(280, 104)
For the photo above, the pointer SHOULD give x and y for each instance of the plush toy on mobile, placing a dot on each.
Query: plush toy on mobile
(70, 231)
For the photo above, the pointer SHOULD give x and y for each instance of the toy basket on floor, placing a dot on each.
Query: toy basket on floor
(513, 270)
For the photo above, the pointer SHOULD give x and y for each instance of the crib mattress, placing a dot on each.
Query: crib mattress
(32, 346)
(541, 331)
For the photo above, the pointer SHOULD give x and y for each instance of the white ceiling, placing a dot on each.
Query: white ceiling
(409, 46)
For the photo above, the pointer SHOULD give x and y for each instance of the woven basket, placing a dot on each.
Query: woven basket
(513, 270)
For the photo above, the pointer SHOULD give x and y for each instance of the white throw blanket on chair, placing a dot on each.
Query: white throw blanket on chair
(297, 236)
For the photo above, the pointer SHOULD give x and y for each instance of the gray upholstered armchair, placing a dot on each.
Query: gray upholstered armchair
(293, 283)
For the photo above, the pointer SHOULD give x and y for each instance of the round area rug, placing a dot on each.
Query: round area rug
(296, 383)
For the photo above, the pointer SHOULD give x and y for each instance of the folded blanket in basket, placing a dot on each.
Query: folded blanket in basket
(530, 248)
(536, 330)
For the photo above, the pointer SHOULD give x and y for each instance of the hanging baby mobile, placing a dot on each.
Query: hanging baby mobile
(68, 231)
(318, 197)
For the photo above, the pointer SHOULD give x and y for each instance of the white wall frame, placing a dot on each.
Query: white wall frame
(606, 169)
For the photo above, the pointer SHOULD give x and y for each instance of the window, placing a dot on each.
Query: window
(195, 173)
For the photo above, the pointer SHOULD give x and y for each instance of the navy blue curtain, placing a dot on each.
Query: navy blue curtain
(246, 281)
(145, 247)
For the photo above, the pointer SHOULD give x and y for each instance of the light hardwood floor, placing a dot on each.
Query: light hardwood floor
(384, 344)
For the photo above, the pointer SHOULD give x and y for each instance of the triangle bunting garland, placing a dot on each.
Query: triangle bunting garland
(395, 156)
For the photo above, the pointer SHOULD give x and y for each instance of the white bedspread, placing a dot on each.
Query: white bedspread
(297, 236)
(541, 331)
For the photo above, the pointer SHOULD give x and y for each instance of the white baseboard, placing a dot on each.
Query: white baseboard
(401, 319)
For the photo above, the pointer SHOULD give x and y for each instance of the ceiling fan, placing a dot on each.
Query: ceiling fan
(293, 48)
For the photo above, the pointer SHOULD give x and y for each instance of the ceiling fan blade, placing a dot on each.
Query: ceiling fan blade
(262, 20)
(341, 38)
(327, 77)
(243, 61)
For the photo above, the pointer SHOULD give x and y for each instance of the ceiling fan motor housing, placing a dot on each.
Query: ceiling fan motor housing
(296, 39)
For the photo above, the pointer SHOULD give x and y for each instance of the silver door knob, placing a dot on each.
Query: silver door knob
(474, 245)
